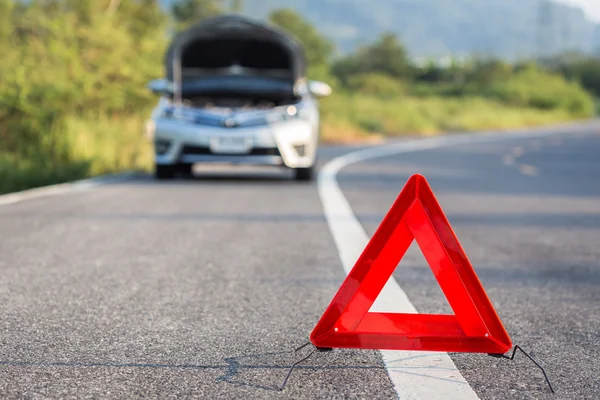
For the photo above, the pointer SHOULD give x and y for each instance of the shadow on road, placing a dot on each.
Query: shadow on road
(238, 371)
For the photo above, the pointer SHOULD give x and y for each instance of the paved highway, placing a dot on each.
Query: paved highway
(201, 288)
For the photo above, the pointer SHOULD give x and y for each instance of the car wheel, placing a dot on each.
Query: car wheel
(304, 174)
(164, 171)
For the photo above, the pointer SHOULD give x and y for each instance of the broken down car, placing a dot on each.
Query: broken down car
(235, 92)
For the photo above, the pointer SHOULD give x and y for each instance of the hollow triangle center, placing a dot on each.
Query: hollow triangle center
(419, 285)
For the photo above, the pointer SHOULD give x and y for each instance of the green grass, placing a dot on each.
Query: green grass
(97, 146)
(16, 175)
(110, 145)
(355, 117)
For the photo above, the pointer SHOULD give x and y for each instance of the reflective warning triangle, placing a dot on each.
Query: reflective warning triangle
(474, 327)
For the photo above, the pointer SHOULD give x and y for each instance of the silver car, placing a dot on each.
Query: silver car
(235, 92)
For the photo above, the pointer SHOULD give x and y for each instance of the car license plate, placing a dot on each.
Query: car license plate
(231, 144)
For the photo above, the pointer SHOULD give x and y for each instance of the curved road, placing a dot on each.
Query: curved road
(202, 288)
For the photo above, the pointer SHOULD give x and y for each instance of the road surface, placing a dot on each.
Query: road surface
(202, 288)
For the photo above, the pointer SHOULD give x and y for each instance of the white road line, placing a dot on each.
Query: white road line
(528, 170)
(414, 374)
(62, 188)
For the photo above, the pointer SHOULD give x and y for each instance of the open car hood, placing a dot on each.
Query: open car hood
(232, 53)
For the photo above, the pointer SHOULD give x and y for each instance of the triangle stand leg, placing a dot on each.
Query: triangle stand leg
(301, 360)
(297, 362)
(528, 356)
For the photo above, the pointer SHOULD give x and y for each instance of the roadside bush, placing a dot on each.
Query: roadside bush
(488, 72)
(18, 174)
(371, 125)
(542, 90)
(378, 85)
(586, 71)
(72, 88)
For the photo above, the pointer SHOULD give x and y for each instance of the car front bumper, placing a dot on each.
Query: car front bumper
(290, 143)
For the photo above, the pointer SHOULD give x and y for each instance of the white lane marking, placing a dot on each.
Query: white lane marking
(62, 188)
(414, 374)
(517, 151)
(536, 145)
(528, 170)
(508, 159)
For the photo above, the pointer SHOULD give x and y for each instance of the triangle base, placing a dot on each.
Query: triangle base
(427, 332)
(373, 341)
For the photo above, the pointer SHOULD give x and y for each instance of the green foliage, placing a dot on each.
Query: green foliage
(582, 69)
(487, 72)
(375, 84)
(370, 124)
(67, 59)
(349, 117)
(191, 11)
(386, 56)
(542, 90)
(24, 174)
(587, 73)
(317, 48)
(475, 94)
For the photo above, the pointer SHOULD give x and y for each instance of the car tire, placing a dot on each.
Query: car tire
(163, 172)
(304, 174)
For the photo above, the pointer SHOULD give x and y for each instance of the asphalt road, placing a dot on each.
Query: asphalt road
(201, 288)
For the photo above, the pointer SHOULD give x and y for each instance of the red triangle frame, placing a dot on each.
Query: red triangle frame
(475, 327)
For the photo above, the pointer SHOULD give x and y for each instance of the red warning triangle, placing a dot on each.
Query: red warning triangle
(474, 327)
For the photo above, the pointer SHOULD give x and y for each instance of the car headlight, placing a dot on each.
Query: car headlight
(294, 112)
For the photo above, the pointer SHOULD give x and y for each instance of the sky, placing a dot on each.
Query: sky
(591, 7)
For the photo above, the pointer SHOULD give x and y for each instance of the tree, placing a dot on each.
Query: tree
(6, 11)
(386, 56)
(143, 18)
(317, 48)
(190, 11)
(69, 59)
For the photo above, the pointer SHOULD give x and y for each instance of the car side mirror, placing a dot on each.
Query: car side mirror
(319, 89)
(160, 86)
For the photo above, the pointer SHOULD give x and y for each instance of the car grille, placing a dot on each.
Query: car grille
(205, 150)
(231, 121)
